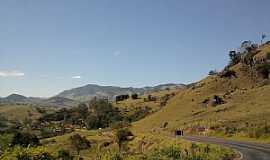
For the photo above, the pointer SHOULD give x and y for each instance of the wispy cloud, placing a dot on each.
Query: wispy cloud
(76, 77)
(116, 53)
(11, 73)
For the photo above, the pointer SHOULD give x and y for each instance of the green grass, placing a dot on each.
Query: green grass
(152, 144)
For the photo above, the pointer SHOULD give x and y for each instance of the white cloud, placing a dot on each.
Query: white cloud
(116, 53)
(76, 77)
(11, 73)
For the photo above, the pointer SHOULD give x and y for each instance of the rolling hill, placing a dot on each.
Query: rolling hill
(244, 111)
(90, 91)
(14, 98)
(58, 102)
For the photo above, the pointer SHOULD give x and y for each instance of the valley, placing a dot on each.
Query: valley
(128, 123)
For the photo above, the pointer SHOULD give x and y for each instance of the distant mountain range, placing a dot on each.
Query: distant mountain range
(90, 91)
(14, 98)
(52, 102)
(73, 97)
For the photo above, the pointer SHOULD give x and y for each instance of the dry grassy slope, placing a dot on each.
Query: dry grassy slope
(264, 50)
(18, 112)
(130, 104)
(151, 143)
(248, 103)
(21, 112)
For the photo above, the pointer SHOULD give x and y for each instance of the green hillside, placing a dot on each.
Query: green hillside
(245, 112)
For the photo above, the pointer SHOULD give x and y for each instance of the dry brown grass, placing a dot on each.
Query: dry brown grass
(18, 112)
(247, 103)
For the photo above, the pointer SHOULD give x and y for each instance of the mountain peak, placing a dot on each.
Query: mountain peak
(16, 97)
(90, 91)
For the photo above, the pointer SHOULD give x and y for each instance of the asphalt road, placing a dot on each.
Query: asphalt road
(248, 150)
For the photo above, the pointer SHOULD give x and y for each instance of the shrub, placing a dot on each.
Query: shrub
(150, 98)
(268, 55)
(121, 124)
(116, 156)
(230, 130)
(217, 100)
(25, 139)
(99, 114)
(43, 156)
(92, 121)
(104, 115)
(164, 100)
(29, 153)
(23, 156)
(64, 155)
(121, 97)
(3, 122)
(173, 152)
(212, 72)
(122, 135)
(259, 131)
(228, 74)
(79, 143)
(134, 96)
(41, 110)
(263, 70)
(5, 140)
(110, 156)
(46, 132)
(140, 113)
(247, 46)
(234, 58)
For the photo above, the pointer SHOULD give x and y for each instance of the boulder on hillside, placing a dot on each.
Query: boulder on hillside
(216, 100)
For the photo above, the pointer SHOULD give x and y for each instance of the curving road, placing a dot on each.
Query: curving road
(248, 150)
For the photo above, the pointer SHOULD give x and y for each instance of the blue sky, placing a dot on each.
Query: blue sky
(48, 46)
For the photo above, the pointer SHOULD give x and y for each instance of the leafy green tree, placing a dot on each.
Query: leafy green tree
(25, 139)
(140, 113)
(234, 57)
(3, 122)
(212, 72)
(122, 135)
(79, 143)
(92, 121)
(103, 114)
(5, 140)
(134, 96)
(97, 114)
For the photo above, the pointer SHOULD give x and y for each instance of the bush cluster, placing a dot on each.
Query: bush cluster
(97, 114)
(37, 153)
(121, 97)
